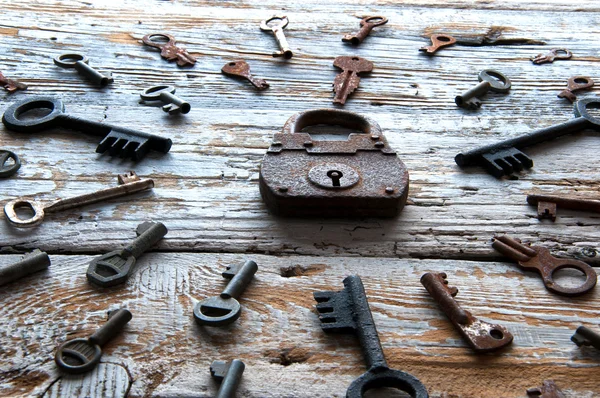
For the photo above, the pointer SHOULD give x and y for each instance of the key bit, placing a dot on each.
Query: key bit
(491, 80)
(347, 81)
(547, 205)
(277, 30)
(240, 68)
(114, 268)
(82, 355)
(575, 83)
(549, 389)
(169, 50)
(32, 262)
(229, 374)
(438, 42)
(539, 258)
(481, 336)
(587, 337)
(164, 93)
(10, 169)
(11, 85)
(366, 26)
(550, 56)
(80, 63)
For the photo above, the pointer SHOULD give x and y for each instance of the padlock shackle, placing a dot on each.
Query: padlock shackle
(330, 117)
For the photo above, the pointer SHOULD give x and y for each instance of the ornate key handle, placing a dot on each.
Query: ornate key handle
(540, 259)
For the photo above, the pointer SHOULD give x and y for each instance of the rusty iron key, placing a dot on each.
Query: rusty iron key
(32, 262)
(575, 83)
(587, 337)
(550, 56)
(80, 63)
(481, 336)
(347, 81)
(11, 85)
(549, 389)
(547, 205)
(114, 268)
(347, 311)
(366, 26)
(128, 184)
(229, 374)
(8, 168)
(169, 50)
(540, 259)
(83, 354)
(164, 93)
(438, 42)
(491, 80)
(277, 30)
(504, 157)
(240, 68)
(225, 309)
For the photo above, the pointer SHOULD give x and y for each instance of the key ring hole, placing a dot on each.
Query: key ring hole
(444, 39)
(214, 312)
(159, 38)
(232, 64)
(35, 113)
(496, 334)
(376, 20)
(387, 392)
(275, 22)
(69, 60)
(561, 51)
(569, 277)
(581, 80)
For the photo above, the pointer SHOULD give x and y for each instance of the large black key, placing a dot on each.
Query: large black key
(347, 311)
(118, 141)
(505, 157)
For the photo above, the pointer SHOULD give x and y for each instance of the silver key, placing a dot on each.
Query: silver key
(277, 30)
(491, 80)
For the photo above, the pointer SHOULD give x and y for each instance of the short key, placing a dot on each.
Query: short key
(491, 80)
(347, 311)
(587, 337)
(114, 268)
(118, 141)
(277, 30)
(32, 262)
(80, 63)
(366, 26)
(241, 68)
(575, 83)
(82, 355)
(225, 309)
(128, 184)
(505, 157)
(165, 94)
(347, 81)
(229, 374)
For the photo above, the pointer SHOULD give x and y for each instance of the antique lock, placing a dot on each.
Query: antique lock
(361, 176)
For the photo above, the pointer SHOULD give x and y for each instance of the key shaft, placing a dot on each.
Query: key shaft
(366, 26)
(240, 278)
(473, 94)
(586, 336)
(149, 233)
(116, 321)
(547, 204)
(229, 375)
(32, 262)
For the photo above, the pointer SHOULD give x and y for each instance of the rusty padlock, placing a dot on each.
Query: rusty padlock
(361, 176)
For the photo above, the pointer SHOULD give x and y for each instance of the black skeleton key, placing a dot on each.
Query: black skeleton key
(491, 80)
(80, 63)
(118, 141)
(347, 311)
(229, 374)
(586, 336)
(113, 268)
(505, 157)
(32, 262)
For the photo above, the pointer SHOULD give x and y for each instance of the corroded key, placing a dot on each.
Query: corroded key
(575, 83)
(229, 374)
(347, 311)
(165, 94)
(240, 68)
(11, 85)
(347, 81)
(114, 268)
(277, 30)
(225, 309)
(491, 80)
(128, 184)
(82, 355)
(80, 63)
(438, 42)
(553, 54)
(547, 204)
(587, 337)
(481, 336)
(32, 262)
(169, 50)
(366, 26)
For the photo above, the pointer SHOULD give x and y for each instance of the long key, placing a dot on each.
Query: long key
(80, 63)
(114, 268)
(491, 80)
(118, 141)
(229, 374)
(164, 93)
(347, 311)
(240, 68)
(128, 184)
(82, 355)
(539, 258)
(32, 262)
(225, 309)
(575, 83)
(366, 26)
(481, 336)
(505, 157)
(547, 205)
(277, 30)
(587, 337)
(347, 81)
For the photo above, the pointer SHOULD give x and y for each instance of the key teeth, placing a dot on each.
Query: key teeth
(579, 340)
(106, 143)
(321, 297)
(218, 370)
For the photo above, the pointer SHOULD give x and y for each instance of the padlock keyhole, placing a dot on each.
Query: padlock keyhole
(335, 176)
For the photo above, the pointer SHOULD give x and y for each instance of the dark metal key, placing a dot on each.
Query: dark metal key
(240, 68)
(366, 26)
(347, 81)
(173, 104)
(113, 268)
(80, 63)
(225, 309)
(229, 374)
(82, 355)
(118, 141)
(587, 337)
(32, 262)
(347, 311)
(505, 157)
(491, 80)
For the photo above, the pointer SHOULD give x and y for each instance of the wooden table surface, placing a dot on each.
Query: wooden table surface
(207, 195)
